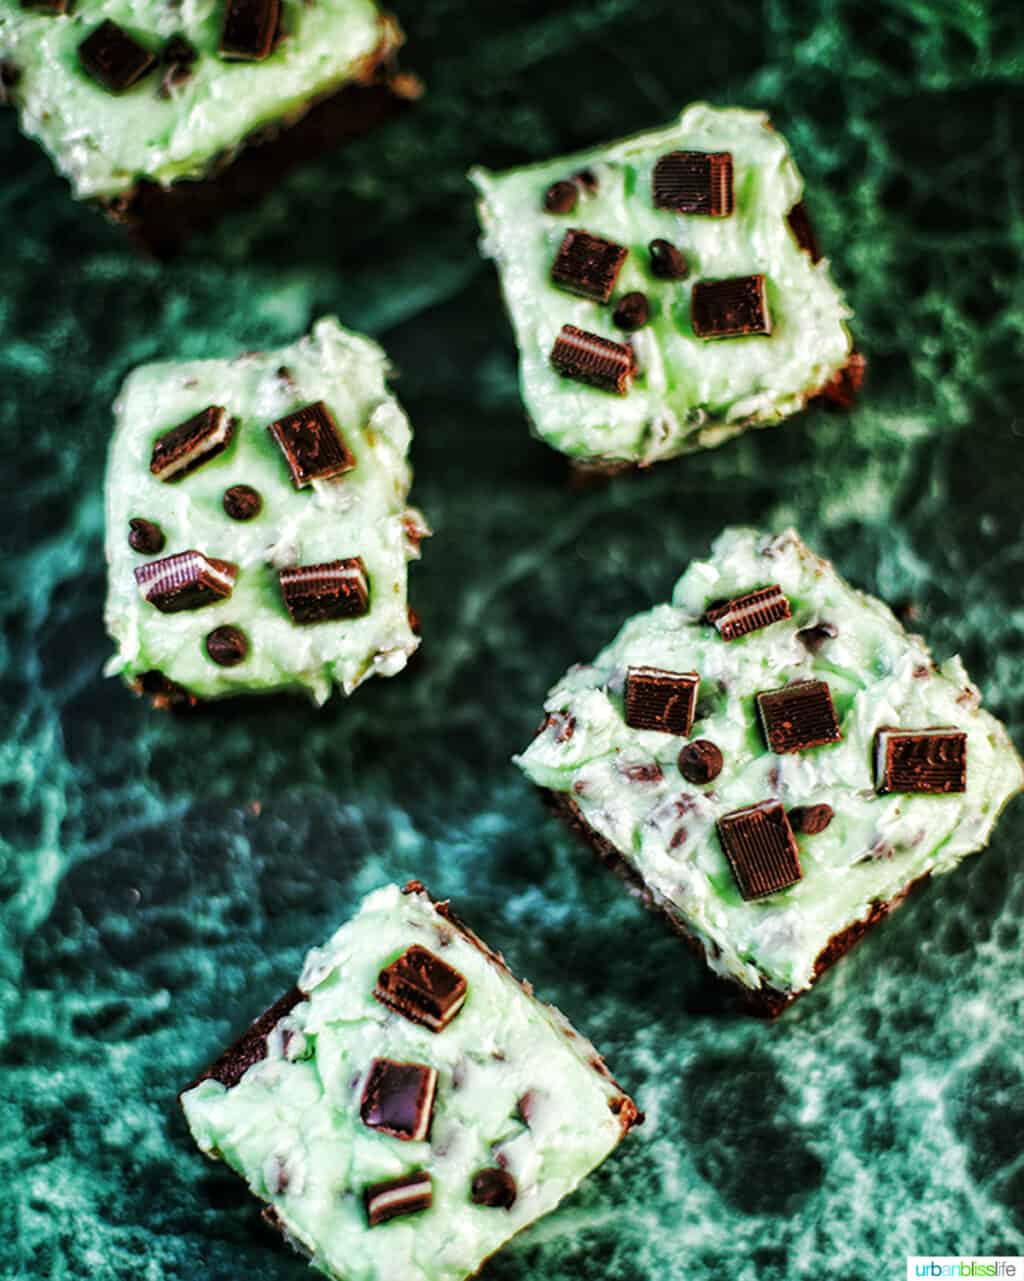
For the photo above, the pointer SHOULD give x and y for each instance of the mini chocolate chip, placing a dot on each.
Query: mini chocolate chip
(561, 197)
(493, 1187)
(632, 311)
(667, 263)
(810, 819)
(146, 536)
(812, 638)
(178, 50)
(242, 502)
(227, 645)
(700, 761)
(587, 179)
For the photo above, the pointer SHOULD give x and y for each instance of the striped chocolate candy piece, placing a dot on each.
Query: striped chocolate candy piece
(661, 700)
(398, 1099)
(422, 987)
(321, 593)
(588, 358)
(694, 182)
(743, 614)
(249, 29)
(187, 580)
(798, 716)
(588, 265)
(730, 308)
(408, 1194)
(192, 443)
(921, 760)
(312, 445)
(761, 849)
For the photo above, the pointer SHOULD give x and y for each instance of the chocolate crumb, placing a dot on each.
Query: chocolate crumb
(145, 537)
(813, 638)
(227, 646)
(561, 197)
(810, 819)
(667, 262)
(642, 772)
(632, 311)
(493, 1187)
(242, 502)
(587, 180)
(700, 762)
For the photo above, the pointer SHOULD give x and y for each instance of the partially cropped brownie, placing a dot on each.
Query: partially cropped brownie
(773, 761)
(258, 532)
(409, 1106)
(167, 114)
(666, 291)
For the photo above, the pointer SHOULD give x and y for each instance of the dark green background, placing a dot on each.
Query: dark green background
(162, 877)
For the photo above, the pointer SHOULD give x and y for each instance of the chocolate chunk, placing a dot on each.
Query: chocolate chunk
(113, 59)
(493, 1187)
(192, 443)
(588, 358)
(312, 445)
(761, 848)
(798, 716)
(667, 263)
(398, 1099)
(813, 638)
(632, 311)
(422, 987)
(588, 265)
(408, 1194)
(661, 700)
(320, 593)
(145, 536)
(242, 502)
(800, 225)
(561, 197)
(920, 760)
(730, 308)
(694, 182)
(700, 762)
(810, 819)
(842, 391)
(177, 56)
(227, 645)
(187, 580)
(250, 28)
(744, 614)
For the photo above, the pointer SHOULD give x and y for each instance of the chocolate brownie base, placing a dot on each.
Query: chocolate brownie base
(160, 219)
(764, 1002)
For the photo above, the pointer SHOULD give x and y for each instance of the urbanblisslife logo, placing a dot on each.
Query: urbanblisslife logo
(973, 1265)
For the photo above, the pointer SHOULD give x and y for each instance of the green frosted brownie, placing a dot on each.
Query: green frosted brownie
(257, 527)
(773, 760)
(131, 96)
(409, 1106)
(666, 291)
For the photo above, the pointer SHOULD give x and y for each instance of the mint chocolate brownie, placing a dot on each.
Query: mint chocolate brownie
(409, 1106)
(773, 761)
(258, 533)
(147, 108)
(666, 291)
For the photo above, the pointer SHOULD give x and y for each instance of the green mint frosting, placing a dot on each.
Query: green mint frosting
(879, 675)
(361, 513)
(291, 1127)
(103, 142)
(689, 393)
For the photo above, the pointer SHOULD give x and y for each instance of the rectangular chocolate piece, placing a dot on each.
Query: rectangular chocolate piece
(398, 1099)
(761, 848)
(694, 182)
(312, 445)
(249, 29)
(798, 716)
(192, 443)
(408, 1194)
(744, 614)
(113, 59)
(591, 359)
(930, 760)
(321, 593)
(186, 580)
(730, 308)
(588, 265)
(422, 987)
(661, 700)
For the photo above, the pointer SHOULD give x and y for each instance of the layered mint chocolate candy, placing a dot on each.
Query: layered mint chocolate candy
(409, 1106)
(774, 760)
(665, 291)
(258, 531)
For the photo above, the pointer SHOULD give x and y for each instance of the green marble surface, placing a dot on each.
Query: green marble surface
(161, 878)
